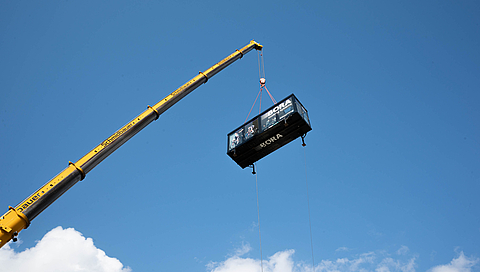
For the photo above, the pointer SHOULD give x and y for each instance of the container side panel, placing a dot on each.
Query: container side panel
(267, 132)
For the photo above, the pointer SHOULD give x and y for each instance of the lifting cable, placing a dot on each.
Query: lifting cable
(308, 207)
(308, 201)
(252, 106)
(258, 216)
(261, 75)
(261, 67)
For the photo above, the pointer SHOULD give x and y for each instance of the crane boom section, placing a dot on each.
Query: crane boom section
(18, 218)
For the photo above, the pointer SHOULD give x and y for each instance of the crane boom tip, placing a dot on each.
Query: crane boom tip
(257, 45)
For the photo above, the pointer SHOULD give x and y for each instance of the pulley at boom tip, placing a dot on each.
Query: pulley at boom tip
(257, 45)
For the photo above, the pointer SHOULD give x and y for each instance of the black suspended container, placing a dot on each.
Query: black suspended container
(277, 126)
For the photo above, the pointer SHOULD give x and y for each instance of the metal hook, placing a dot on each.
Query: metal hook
(253, 171)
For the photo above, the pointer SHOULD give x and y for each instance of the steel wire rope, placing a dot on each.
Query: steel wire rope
(271, 96)
(258, 216)
(261, 67)
(253, 106)
(308, 205)
(260, 102)
(261, 75)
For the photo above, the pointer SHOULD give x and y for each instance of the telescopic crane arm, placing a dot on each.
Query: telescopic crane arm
(19, 218)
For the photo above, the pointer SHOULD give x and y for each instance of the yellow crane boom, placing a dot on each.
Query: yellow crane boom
(19, 217)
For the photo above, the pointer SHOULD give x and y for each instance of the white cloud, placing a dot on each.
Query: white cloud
(389, 264)
(243, 250)
(279, 262)
(402, 250)
(342, 249)
(283, 262)
(360, 263)
(379, 262)
(460, 264)
(67, 250)
(62, 250)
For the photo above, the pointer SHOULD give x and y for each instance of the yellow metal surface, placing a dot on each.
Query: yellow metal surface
(257, 45)
(45, 188)
(82, 173)
(90, 155)
(11, 223)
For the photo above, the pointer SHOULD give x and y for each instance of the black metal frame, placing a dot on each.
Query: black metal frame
(290, 121)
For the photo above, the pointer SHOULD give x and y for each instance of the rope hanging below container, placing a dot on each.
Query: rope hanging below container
(258, 214)
(308, 201)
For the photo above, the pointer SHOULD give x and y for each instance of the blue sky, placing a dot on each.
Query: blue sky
(392, 91)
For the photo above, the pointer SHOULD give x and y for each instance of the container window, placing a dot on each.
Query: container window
(302, 112)
(268, 119)
(235, 139)
(285, 109)
(251, 129)
(305, 116)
